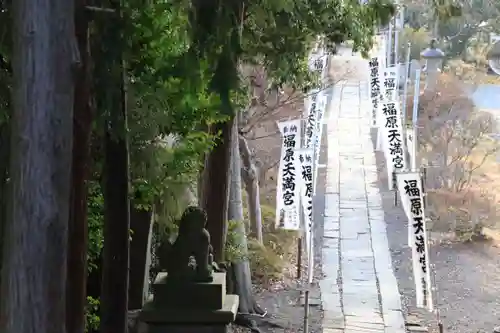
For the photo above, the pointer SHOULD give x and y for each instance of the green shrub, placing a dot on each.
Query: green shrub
(266, 264)
(233, 250)
(92, 319)
(269, 260)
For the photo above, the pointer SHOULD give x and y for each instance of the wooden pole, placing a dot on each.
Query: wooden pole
(299, 257)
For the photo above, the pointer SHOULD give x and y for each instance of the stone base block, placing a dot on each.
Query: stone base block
(170, 317)
(206, 295)
(187, 329)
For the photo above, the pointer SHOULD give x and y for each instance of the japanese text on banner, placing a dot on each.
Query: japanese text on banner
(391, 84)
(394, 149)
(310, 116)
(410, 189)
(288, 189)
(306, 177)
(374, 87)
(318, 133)
(378, 110)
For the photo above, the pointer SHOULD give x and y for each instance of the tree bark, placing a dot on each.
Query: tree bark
(115, 268)
(251, 180)
(4, 174)
(216, 188)
(240, 274)
(76, 287)
(35, 255)
(115, 280)
(5, 69)
(4, 194)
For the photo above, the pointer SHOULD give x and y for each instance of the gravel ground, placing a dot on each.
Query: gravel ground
(467, 275)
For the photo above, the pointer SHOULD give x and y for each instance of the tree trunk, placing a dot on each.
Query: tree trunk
(240, 274)
(215, 198)
(141, 224)
(251, 180)
(76, 286)
(115, 268)
(35, 257)
(4, 175)
(115, 280)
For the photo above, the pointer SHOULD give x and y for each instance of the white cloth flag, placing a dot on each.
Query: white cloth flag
(392, 136)
(317, 61)
(324, 72)
(306, 191)
(374, 86)
(288, 187)
(309, 109)
(318, 133)
(380, 135)
(381, 72)
(411, 138)
(391, 83)
(410, 190)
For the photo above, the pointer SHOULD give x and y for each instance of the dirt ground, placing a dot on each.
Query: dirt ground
(466, 275)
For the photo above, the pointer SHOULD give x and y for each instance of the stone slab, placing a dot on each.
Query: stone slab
(333, 320)
(206, 295)
(356, 325)
(152, 315)
(354, 306)
(186, 329)
(332, 330)
(417, 329)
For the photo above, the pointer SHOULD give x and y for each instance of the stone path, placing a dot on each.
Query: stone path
(359, 291)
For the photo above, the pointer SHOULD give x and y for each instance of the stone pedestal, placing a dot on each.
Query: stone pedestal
(189, 308)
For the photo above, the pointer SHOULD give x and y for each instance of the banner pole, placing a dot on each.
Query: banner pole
(389, 49)
(314, 177)
(396, 38)
(299, 254)
(405, 87)
(414, 120)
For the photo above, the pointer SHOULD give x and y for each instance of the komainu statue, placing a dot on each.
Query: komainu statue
(192, 242)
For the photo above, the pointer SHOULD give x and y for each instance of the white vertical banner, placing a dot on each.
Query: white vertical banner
(309, 109)
(311, 60)
(306, 191)
(410, 190)
(391, 78)
(394, 149)
(374, 86)
(389, 45)
(382, 64)
(411, 143)
(317, 60)
(324, 72)
(288, 187)
(310, 118)
(318, 133)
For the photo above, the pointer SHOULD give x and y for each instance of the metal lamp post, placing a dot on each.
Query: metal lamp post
(433, 62)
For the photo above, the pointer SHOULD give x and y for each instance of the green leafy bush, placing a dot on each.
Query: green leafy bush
(269, 260)
(92, 319)
(95, 218)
